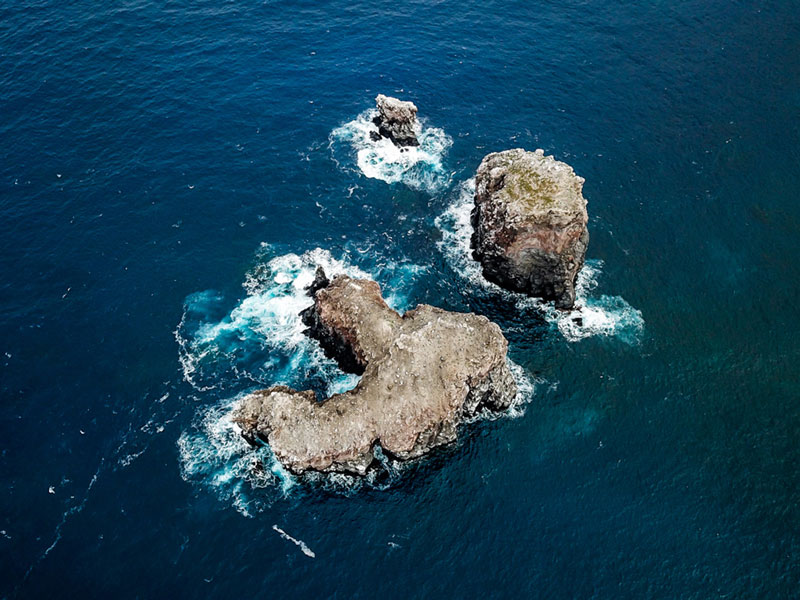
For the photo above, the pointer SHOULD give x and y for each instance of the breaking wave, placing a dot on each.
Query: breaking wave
(261, 340)
(594, 315)
(418, 167)
(214, 453)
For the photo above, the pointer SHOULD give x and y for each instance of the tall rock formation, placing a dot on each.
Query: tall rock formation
(396, 120)
(529, 224)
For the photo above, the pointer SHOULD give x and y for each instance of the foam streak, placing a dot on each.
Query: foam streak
(299, 543)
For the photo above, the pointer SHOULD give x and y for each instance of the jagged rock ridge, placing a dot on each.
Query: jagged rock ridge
(423, 374)
(396, 120)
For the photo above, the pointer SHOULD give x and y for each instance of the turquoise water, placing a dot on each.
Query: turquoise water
(171, 175)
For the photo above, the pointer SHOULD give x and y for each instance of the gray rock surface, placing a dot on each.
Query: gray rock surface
(423, 374)
(397, 120)
(529, 224)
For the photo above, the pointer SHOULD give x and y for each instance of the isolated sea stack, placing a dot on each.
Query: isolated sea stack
(529, 224)
(396, 120)
(423, 374)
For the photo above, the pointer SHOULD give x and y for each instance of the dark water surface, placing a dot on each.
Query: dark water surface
(156, 156)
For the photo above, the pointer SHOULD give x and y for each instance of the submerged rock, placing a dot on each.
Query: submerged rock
(396, 120)
(529, 224)
(423, 374)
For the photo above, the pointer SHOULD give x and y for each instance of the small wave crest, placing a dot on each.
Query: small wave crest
(417, 167)
(593, 315)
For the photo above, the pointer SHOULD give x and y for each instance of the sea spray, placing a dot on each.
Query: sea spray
(593, 315)
(214, 453)
(419, 167)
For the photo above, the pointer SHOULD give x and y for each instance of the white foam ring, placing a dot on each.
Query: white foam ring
(419, 167)
(266, 323)
(261, 341)
(593, 315)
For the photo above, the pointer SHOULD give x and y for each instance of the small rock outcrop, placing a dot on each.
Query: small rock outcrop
(396, 120)
(423, 374)
(529, 224)
(320, 281)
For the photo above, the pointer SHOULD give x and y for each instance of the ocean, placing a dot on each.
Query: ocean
(171, 174)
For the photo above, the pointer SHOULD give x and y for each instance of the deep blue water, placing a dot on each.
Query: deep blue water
(155, 157)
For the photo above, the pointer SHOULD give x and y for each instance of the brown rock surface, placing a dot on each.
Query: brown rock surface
(423, 373)
(529, 224)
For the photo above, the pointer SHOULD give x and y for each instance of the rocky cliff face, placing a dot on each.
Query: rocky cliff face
(529, 224)
(423, 373)
(397, 120)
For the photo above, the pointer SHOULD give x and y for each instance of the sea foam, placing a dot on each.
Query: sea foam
(214, 453)
(593, 315)
(261, 341)
(420, 167)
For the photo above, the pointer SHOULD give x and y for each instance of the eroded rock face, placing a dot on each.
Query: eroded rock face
(529, 224)
(396, 120)
(423, 373)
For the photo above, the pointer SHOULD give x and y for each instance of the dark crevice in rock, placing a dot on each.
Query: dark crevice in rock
(320, 281)
(333, 345)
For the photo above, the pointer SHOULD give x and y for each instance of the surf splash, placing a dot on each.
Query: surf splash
(261, 342)
(418, 167)
(603, 315)
(593, 315)
(214, 454)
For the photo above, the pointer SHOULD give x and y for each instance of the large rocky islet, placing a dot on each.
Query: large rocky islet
(423, 373)
(529, 224)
